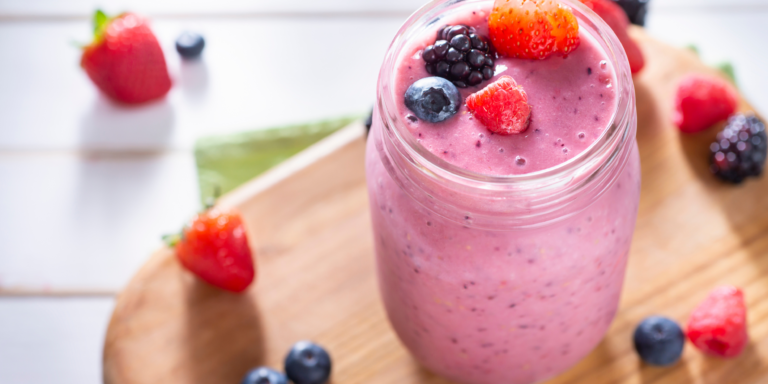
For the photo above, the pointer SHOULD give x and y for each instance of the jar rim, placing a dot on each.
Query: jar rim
(617, 132)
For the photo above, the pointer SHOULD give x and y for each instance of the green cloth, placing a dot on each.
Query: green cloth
(224, 162)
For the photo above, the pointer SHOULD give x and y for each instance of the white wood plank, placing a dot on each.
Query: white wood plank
(52, 340)
(88, 223)
(83, 8)
(255, 73)
(14, 9)
(735, 37)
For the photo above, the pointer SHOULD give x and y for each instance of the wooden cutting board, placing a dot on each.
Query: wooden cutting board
(308, 223)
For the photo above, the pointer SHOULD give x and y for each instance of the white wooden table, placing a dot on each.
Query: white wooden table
(88, 188)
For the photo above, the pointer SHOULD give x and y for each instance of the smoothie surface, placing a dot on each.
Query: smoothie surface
(572, 99)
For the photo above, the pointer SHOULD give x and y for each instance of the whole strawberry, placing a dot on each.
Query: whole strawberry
(214, 246)
(125, 60)
(718, 326)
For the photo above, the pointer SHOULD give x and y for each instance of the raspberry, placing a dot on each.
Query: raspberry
(461, 55)
(502, 106)
(532, 29)
(615, 17)
(702, 101)
(740, 149)
(718, 326)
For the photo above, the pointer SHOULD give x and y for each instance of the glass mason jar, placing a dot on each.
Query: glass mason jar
(501, 279)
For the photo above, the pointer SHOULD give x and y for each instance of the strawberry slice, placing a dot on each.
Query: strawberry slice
(532, 29)
(501, 106)
(125, 60)
(214, 247)
(617, 19)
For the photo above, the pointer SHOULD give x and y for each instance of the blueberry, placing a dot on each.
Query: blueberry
(433, 99)
(190, 45)
(308, 363)
(264, 375)
(659, 341)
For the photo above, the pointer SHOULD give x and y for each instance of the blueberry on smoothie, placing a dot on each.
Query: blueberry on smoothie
(264, 375)
(433, 99)
(659, 341)
(308, 363)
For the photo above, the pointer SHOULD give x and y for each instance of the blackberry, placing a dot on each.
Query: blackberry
(460, 55)
(740, 149)
(635, 10)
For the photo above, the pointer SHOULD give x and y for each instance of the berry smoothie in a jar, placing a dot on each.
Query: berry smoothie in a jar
(504, 182)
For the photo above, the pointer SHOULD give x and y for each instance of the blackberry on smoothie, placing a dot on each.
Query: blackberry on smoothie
(504, 182)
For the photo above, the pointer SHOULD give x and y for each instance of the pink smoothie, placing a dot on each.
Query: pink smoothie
(505, 306)
(572, 99)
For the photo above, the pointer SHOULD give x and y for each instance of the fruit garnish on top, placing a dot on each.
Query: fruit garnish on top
(461, 55)
(533, 29)
(433, 99)
(125, 60)
(502, 107)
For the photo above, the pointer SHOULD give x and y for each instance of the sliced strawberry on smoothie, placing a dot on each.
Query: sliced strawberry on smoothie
(532, 29)
(125, 60)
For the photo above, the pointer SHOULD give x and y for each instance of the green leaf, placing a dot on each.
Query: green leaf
(727, 68)
(693, 48)
(100, 22)
(171, 239)
(225, 162)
